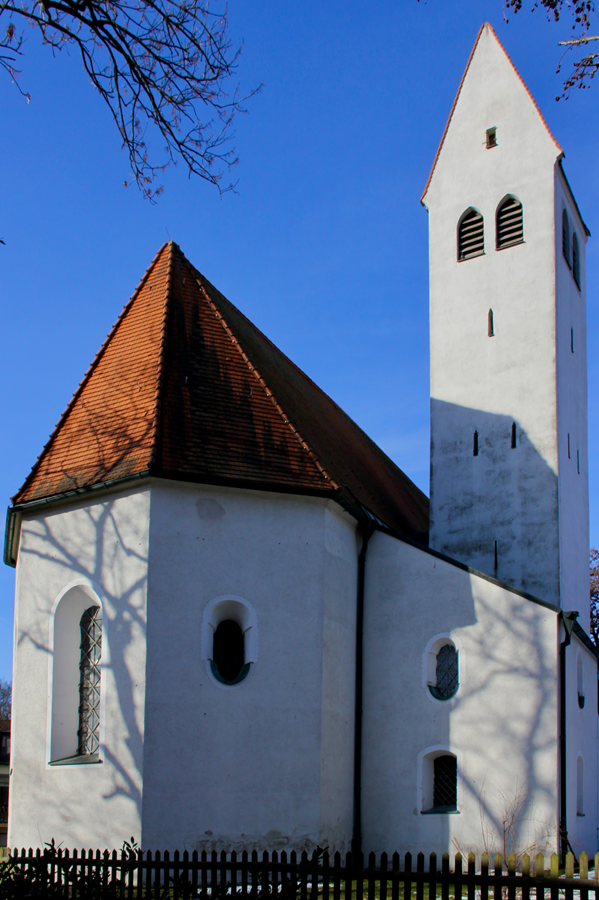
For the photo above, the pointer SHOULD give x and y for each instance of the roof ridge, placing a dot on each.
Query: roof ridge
(89, 372)
(459, 91)
(161, 355)
(269, 393)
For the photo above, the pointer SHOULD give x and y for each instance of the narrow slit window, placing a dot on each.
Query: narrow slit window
(572, 340)
(569, 454)
(445, 783)
(514, 435)
(578, 461)
(579, 787)
(576, 260)
(491, 138)
(495, 560)
(566, 238)
(475, 444)
(510, 223)
(471, 235)
(579, 681)
(490, 324)
(89, 683)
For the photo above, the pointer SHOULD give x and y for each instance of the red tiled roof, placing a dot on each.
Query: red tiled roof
(492, 30)
(186, 387)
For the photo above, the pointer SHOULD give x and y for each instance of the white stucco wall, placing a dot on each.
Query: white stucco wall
(267, 763)
(501, 724)
(572, 414)
(482, 383)
(99, 550)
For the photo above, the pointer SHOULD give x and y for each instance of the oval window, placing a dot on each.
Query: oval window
(228, 653)
(446, 681)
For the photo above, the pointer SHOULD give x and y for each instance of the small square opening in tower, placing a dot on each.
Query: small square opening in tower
(491, 138)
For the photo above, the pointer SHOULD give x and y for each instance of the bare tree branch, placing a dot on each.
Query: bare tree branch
(162, 63)
(581, 11)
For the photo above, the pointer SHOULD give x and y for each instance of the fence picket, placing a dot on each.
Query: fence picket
(445, 876)
(407, 885)
(583, 871)
(78, 873)
(484, 876)
(432, 881)
(471, 874)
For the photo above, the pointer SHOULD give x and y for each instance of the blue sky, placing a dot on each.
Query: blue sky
(324, 246)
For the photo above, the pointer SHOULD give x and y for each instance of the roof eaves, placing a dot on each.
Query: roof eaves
(585, 639)
(86, 377)
(252, 368)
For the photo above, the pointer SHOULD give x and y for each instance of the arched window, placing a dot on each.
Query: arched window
(566, 237)
(510, 226)
(439, 782)
(228, 655)
(89, 682)
(446, 673)
(471, 235)
(229, 639)
(576, 260)
(445, 785)
(74, 734)
(490, 324)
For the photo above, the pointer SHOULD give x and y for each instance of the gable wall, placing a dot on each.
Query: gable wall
(102, 545)
(267, 763)
(501, 724)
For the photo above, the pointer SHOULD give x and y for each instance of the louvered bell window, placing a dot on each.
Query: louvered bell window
(89, 683)
(510, 226)
(446, 681)
(445, 783)
(471, 235)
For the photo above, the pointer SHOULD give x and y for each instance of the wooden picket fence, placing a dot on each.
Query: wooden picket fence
(214, 876)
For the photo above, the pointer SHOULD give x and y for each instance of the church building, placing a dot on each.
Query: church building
(238, 624)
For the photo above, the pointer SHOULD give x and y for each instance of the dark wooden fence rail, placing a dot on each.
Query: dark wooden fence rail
(214, 876)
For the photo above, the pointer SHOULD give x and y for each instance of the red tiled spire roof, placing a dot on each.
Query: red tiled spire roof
(185, 387)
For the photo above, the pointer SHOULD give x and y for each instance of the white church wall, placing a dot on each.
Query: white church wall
(266, 762)
(501, 724)
(503, 495)
(581, 753)
(89, 553)
(572, 411)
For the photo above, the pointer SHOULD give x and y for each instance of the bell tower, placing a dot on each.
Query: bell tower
(509, 482)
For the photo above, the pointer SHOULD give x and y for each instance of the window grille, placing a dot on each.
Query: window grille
(471, 237)
(89, 684)
(576, 260)
(445, 782)
(510, 226)
(491, 138)
(228, 656)
(566, 237)
(446, 678)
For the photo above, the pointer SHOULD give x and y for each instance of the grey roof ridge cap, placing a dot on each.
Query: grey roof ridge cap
(466, 568)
